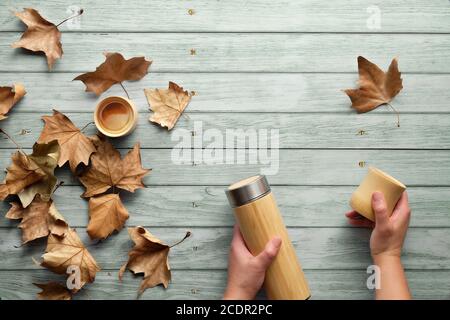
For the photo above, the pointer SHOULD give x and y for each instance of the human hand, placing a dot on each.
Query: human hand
(389, 232)
(246, 272)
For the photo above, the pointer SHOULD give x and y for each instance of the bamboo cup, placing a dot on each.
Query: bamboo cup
(260, 220)
(115, 116)
(376, 180)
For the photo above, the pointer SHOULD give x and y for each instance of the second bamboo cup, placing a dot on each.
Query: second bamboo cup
(376, 180)
(260, 220)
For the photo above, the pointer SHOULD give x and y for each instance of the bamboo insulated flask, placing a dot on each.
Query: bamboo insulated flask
(260, 220)
(376, 180)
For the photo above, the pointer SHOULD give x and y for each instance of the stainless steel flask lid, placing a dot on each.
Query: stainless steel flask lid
(247, 190)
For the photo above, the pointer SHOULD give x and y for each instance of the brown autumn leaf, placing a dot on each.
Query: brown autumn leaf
(53, 291)
(167, 104)
(376, 87)
(39, 219)
(9, 96)
(108, 170)
(149, 256)
(114, 70)
(106, 214)
(75, 147)
(62, 252)
(46, 156)
(22, 173)
(40, 36)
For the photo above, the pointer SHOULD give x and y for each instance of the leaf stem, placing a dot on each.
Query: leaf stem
(88, 124)
(396, 112)
(80, 12)
(188, 234)
(59, 184)
(10, 138)
(126, 92)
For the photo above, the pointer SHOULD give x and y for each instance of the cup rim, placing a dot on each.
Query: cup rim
(387, 176)
(128, 128)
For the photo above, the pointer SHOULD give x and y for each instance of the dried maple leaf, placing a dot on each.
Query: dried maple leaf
(9, 96)
(62, 252)
(39, 219)
(46, 156)
(75, 146)
(149, 256)
(108, 170)
(53, 291)
(375, 86)
(20, 174)
(106, 214)
(167, 104)
(114, 70)
(41, 35)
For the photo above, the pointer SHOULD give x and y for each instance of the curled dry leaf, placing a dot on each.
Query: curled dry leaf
(46, 156)
(9, 96)
(114, 70)
(62, 252)
(106, 214)
(75, 147)
(40, 36)
(108, 170)
(26, 170)
(39, 219)
(167, 104)
(149, 256)
(53, 291)
(375, 86)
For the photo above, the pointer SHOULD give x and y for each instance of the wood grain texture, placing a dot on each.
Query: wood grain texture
(240, 52)
(314, 131)
(210, 284)
(235, 15)
(234, 92)
(295, 167)
(207, 248)
(207, 206)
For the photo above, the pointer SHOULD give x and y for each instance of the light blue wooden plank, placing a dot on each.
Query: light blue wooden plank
(349, 131)
(207, 248)
(240, 52)
(210, 284)
(206, 206)
(234, 92)
(249, 16)
(295, 167)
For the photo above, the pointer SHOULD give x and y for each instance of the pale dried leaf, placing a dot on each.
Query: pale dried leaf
(62, 252)
(167, 104)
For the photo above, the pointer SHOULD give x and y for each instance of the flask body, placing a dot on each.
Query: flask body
(259, 221)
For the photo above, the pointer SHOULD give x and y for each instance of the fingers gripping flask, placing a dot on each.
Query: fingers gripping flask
(260, 220)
